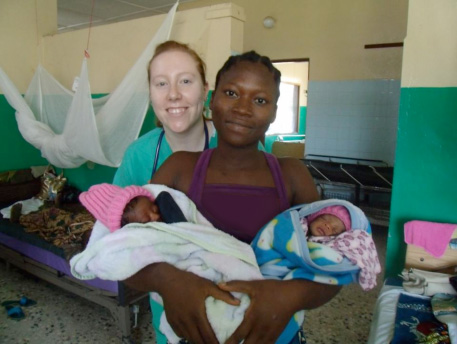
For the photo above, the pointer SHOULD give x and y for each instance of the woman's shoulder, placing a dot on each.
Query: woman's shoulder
(177, 171)
(293, 168)
(289, 163)
(298, 181)
(151, 136)
(180, 163)
(184, 157)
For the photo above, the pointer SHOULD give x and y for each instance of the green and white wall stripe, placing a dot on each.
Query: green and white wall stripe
(425, 184)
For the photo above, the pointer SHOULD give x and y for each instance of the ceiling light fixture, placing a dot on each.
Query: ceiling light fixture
(269, 22)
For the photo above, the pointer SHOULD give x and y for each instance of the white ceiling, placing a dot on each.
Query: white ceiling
(76, 14)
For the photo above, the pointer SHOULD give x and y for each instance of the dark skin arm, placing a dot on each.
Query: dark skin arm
(184, 302)
(183, 293)
(264, 321)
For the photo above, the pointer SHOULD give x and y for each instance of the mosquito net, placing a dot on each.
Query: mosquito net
(70, 128)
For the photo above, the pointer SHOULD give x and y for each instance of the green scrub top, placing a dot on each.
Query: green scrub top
(136, 166)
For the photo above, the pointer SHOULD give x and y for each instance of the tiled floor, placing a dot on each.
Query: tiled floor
(60, 317)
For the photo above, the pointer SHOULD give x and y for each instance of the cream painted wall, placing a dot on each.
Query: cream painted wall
(331, 33)
(430, 56)
(115, 47)
(22, 23)
(296, 73)
(214, 31)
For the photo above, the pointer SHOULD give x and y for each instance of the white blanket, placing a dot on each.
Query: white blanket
(194, 246)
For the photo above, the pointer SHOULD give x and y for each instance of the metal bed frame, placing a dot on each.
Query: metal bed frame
(354, 180)
(118, 304)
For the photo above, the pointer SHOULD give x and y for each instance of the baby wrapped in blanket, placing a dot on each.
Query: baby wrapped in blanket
(115, 253)
(327, 241)
(198, 247)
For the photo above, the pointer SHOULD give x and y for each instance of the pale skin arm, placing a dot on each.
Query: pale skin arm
(183, 293)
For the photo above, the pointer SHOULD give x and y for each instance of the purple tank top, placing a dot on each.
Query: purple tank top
(239, 210)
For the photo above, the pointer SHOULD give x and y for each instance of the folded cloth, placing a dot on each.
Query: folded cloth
(28, 206)
(433, 237)
(427, 283)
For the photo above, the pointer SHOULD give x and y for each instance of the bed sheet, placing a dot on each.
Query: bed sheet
(383, 322)
(49, 256)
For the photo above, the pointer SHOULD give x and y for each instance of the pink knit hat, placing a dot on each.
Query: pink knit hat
(338, 210)
(107, 202)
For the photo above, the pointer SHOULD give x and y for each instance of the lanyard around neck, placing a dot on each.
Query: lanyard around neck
(159, 144)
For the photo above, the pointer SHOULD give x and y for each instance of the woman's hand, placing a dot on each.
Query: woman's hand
(184, 295)
(268, 314)
(273, 303)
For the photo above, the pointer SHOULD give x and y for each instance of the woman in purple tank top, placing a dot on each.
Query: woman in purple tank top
(239, 189)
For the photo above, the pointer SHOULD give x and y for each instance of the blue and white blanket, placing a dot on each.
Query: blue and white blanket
(283, 250)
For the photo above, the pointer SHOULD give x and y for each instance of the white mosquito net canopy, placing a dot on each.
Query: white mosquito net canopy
(70, 128)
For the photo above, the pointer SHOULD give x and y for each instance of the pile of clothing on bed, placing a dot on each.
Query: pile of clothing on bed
(54, 214)
(63, 228)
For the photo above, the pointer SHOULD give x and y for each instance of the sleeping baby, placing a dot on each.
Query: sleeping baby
(116, 207)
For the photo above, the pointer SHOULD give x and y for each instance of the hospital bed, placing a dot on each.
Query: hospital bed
(31, 253)
(397, 311)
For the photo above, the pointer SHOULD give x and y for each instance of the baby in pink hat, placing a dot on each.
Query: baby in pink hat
(329, 221)
(115, 206)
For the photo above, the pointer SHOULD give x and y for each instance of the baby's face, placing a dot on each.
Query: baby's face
(326, 225)
(145, 210)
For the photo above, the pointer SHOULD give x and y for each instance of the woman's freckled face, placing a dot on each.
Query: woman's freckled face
(176, 89)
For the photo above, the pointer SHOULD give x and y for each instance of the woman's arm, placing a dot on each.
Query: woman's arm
(183, 295)
(298, 181)
(273, 302)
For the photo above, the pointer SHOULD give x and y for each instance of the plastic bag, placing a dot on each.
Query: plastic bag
(427, 283)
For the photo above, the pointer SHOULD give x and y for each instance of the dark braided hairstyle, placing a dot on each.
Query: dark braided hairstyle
(250, 56)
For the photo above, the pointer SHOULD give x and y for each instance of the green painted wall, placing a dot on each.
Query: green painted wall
(302, 120)
(16, 153)
(425, 175)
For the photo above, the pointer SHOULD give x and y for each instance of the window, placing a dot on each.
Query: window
(287, 113)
